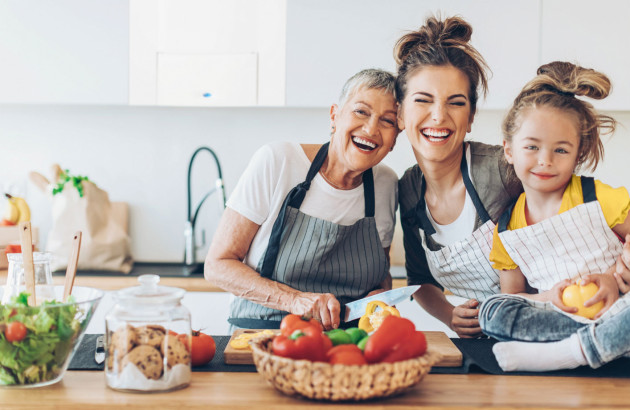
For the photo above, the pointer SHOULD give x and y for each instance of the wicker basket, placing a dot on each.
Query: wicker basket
(323, 381)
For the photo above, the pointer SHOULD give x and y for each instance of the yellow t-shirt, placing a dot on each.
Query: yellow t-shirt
(615, 203)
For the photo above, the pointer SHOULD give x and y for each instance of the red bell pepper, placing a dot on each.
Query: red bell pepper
(291, 323)
(396, 339)
(413, 346)
(305, 344)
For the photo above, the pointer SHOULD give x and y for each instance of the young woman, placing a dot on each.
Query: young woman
(451, 199)
(563, 228)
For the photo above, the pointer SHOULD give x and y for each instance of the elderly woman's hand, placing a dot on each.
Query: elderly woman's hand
(321, 306)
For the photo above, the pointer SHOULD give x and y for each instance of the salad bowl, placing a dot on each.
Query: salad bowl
(38, 342)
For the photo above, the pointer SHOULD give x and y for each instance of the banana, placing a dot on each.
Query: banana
(17, 210)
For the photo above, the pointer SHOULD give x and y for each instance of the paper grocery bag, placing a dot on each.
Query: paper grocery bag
(105, 245)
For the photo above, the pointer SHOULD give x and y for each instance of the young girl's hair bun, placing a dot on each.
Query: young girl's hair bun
(569, 79)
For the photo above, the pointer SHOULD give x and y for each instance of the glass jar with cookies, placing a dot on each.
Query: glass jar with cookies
(147, 340)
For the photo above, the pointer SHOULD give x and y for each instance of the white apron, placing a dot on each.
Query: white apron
(569, 245)
(463, 267)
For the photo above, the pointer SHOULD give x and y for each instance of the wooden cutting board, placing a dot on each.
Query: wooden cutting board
(451, 356)
(240, 356)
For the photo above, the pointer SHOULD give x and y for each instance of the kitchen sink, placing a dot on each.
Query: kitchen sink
(163, 269)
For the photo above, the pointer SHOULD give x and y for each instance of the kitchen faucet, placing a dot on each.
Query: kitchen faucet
(189, 232)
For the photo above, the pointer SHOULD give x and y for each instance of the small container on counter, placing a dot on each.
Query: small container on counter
(44, 289)
(147, 339)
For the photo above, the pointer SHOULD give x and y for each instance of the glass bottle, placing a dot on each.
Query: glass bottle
(44, 289)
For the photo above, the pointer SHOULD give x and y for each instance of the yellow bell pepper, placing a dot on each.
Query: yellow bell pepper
(374, 317)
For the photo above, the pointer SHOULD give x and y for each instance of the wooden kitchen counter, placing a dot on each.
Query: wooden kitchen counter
(191, 283)
(86, 389)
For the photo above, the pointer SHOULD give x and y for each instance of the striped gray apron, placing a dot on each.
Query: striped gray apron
(574, 243)
(463, 267)
(314, 255)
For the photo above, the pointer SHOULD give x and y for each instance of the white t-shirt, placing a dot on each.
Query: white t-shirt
(277, 168)
(463, 226)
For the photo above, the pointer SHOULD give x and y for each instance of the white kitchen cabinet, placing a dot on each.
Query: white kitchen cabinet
(594, 35)
(207, 79)
(329, 40)
(64, 51)
(231, 52)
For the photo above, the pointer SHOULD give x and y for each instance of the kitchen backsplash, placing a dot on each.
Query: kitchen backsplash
(140, 155)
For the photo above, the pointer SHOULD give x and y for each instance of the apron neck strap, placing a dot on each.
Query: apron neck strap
(588, 189)
(588, 195)
(421, 208)
(470, 188)
(296, 196)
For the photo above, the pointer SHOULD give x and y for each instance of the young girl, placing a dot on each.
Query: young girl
(563, 228)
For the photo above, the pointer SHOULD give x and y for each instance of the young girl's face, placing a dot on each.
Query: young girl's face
(544, 150)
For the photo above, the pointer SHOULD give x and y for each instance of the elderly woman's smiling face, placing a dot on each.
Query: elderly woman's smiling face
(364, 128)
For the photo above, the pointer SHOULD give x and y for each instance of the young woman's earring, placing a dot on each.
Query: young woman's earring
(332, 130)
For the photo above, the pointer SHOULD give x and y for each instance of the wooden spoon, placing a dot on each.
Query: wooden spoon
(26, 239)
(71, 271)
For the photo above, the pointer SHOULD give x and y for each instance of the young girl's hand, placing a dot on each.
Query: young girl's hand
(622, 268)
(556, 296)
(608, 290)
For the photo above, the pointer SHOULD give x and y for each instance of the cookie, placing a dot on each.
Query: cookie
(151, 335)
(175, 351)
(147, 359)
(120, 343)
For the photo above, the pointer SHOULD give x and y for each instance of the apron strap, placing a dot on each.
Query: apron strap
(588, 189)
(588, 195)
(421, 208)
(368, 193)
(246, 323)
(505, 217)
(470, 188)
(295, 198)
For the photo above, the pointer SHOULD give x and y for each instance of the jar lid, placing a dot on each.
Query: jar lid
(148, 293)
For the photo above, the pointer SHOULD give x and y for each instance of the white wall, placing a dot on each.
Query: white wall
(140, 156)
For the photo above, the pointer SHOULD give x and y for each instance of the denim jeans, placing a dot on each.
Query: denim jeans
(509, 317)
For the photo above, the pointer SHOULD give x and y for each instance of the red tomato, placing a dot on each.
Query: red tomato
(202, 348)
(15, 332)
(346, 354)
(291, 323)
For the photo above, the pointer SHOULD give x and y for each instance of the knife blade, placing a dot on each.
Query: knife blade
(356, 309)
(99, 355)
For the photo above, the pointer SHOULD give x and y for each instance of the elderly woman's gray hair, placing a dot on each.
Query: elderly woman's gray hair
(370, 78)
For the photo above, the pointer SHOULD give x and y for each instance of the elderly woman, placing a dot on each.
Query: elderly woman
(303, 230)
(450, 200)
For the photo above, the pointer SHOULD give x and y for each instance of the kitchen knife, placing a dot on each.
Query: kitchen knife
(99, 356)
(356, 309)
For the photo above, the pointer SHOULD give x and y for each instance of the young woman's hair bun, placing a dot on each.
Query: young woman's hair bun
(435, 33)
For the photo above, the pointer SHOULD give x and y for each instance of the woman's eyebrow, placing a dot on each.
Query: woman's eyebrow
(370, 107)
(450, 97)
(457, 96)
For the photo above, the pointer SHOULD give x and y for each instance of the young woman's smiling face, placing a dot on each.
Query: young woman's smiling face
(436, 112)
(544, 150)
